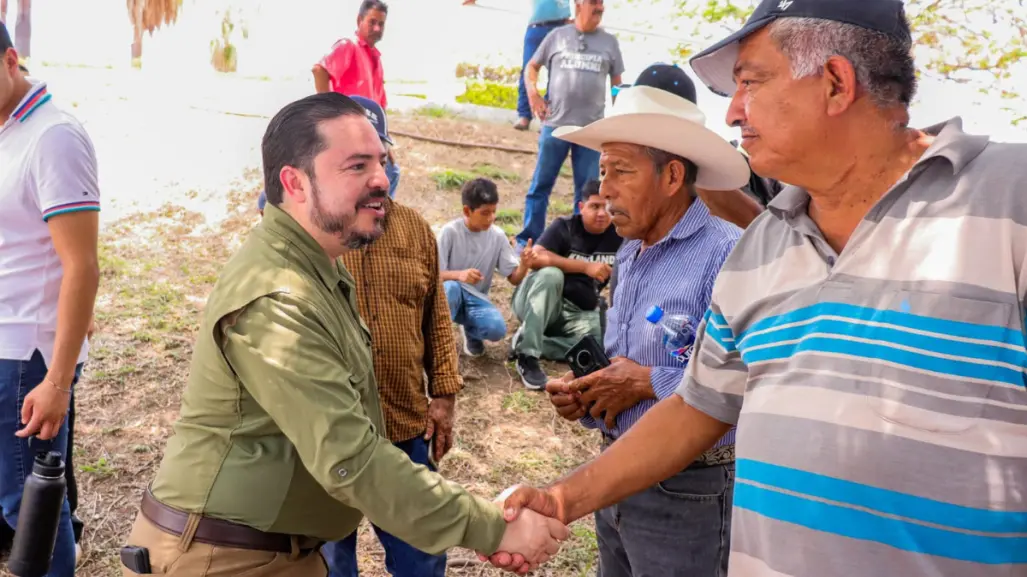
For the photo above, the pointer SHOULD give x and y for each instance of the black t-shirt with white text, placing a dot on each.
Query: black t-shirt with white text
(567, 237)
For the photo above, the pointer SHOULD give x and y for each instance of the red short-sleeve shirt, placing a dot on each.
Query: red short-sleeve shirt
(355, 69)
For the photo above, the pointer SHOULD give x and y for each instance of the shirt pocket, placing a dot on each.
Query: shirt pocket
(408, 276)
(941, 363)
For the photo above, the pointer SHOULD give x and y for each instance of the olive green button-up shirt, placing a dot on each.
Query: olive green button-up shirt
(281, 427)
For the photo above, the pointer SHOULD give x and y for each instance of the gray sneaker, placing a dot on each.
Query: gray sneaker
(531, 372)
(472, 347)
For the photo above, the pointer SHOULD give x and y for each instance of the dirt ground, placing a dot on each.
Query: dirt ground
(158, 267)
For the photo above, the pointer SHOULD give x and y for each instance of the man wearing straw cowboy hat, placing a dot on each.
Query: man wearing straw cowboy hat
(655, 151)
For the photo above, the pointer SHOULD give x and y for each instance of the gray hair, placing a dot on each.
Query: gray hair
(884, 64)
(662, 158)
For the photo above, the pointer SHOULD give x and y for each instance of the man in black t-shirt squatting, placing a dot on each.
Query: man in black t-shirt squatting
(558, 303)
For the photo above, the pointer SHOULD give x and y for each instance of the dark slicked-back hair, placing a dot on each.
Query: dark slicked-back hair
(590, 189)
(293, 138)
(5, 38)
(479, 192)
(368, 5)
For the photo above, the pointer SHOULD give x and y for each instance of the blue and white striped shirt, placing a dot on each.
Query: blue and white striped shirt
(676, 273)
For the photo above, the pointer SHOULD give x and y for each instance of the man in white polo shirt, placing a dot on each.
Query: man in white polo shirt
(49, 276)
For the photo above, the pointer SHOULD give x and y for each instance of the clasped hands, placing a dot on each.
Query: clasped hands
(534, 530)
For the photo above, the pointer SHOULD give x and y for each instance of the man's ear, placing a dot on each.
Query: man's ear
(295, 184)
(674, 176)
(840, 84)
(467, 211)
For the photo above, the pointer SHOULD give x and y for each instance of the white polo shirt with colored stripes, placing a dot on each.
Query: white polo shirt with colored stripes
(47, 168)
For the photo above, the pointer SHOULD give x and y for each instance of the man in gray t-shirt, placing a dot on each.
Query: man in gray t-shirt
(580, 57)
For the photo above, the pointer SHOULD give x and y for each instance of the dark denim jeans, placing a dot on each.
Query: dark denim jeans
(678, 528)
(17, 379)
(401, 559)
(533, 37)
(551, 154)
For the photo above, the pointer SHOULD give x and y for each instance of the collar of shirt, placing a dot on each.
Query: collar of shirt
(36, 96)
(950, 143)
(366, 45)
(278, 222)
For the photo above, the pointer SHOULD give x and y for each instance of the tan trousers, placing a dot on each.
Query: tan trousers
(182, 557)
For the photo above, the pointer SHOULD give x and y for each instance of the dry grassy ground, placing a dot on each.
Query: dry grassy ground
(158, 268)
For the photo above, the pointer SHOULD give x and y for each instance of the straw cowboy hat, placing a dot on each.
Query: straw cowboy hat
(656, 118)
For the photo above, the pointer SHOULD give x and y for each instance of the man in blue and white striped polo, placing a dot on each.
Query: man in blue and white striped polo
(655, 151)
(867, 334)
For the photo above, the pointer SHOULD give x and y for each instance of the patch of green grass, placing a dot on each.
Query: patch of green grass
(520, 402)
(560, 208)
(451, 179)
(101, 468)
(434, 112)
(510, 220)
(579, 553)
(566, 171)
(111, 265)
(495, 173)
(418, 96)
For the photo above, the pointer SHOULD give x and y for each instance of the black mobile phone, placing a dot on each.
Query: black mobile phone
(587, 356)
(136, 559)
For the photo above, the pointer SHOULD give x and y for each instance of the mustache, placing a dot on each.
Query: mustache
(373, 195)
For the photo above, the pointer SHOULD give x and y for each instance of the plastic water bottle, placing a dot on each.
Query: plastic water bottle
(677, 333)
(38, 517)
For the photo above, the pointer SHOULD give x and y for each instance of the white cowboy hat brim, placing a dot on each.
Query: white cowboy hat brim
(721, 166)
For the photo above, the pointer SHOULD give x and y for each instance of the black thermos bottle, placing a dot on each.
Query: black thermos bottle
(38, 517)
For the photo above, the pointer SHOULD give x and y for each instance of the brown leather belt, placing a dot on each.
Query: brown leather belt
(216, 531)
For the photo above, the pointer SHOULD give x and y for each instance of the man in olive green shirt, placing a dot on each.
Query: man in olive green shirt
(279, 445)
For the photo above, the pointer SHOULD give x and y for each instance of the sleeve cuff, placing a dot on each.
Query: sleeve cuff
(445, 386)
(588, 422)
(665, 380)
(486, 527)
(713, 408)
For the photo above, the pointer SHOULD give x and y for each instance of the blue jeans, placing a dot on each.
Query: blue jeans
(401, 559)
(678, 528)
(551, 153)
(392, 171)
(533, 37)
(481, 320)
(17, 379)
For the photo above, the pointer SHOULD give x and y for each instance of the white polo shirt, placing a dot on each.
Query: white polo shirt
(47, 168)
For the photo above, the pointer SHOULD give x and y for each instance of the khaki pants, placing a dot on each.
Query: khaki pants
(182, 557)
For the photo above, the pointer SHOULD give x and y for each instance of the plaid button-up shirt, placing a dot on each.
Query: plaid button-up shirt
(402, 301)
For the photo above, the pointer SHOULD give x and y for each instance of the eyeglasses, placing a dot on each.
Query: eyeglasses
(582, 45)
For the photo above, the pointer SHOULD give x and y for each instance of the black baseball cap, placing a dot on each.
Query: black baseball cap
(715, 65)
(5, 38)
(376, 116)
(668, 77)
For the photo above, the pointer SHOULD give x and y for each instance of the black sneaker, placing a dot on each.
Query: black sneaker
(472, 347)
(531, 372)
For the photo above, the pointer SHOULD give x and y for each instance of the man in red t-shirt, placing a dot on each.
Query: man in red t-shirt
(354, 68)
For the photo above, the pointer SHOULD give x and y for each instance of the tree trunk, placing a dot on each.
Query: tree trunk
(23, 30)
(137, 32)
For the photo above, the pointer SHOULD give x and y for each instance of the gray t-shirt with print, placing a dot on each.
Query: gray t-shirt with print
(578, 66)
(487, 251)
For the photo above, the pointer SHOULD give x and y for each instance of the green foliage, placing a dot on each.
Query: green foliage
(496, 74)
(510, 220)
(434, 112)
(960, 40)
(490, 94)
(451, 179)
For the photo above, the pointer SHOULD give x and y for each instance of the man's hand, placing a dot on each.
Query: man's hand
(528, 254)
(440, 424)
(538, 104)
(470, 276)
(614, 389)
(600, 271)
(547, 503)
(44, 410)
(566, 401)
(542, 257)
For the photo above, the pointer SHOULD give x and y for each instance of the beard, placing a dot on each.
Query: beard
(342, 224)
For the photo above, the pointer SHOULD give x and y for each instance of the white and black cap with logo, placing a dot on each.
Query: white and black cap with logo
(715, 65)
